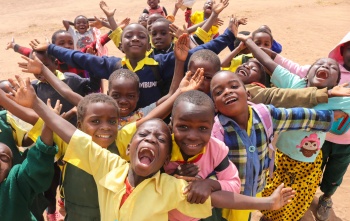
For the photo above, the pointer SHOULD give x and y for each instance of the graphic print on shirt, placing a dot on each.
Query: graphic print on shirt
(309, 145)
(84, 41)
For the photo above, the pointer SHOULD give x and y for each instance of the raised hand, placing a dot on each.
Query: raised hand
(31, 65)
(124, 23)
(179, 3)
(341, 90)
(233, 25)
(218, 22)
(182, 46)
(106, 10)
(10, 44)
(22, 92)
(57, 108)
(281, 196)
(187, 170)
(96, 24)
(243, 37)
(198, 191)
(190, 82)
(176, 31)
(36, 45)
(242, 21)
(269, 52)
(218, 7)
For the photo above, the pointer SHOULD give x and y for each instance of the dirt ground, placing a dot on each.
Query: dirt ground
(307, 30)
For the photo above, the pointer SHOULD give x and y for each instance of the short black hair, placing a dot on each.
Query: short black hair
(206, 55)
(54, 35)
(237, 41)
(80, 16)
(195, 97)
(164, 20)
(91, 99)
(121, 40)
(263, 30)
(126, 73)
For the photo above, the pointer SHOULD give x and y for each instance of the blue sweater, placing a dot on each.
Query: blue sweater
(103, 67)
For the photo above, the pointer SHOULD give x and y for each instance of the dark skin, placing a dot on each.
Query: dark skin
(345, 52)
(5, 161)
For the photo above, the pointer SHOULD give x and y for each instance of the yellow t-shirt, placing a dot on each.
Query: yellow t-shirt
(237, 61)
(110, 172)
(18, 130)
(198, 17)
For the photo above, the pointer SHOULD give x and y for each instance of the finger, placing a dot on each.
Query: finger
(188, 75)
(37, 41)
(26, 58)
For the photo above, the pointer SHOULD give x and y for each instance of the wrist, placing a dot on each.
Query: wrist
(329, 92)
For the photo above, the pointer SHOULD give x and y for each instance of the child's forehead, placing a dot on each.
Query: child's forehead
(4, 149)
(185, 107)
(135, 27)
(63, 35)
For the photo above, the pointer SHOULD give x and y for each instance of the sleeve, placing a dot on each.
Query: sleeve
(226, 171)
(287, 98)
(17, 131)
(276, 47)
(293, 67)
(100, 67)
(285, 119)
(123, 139)
(282, 78)
(83, 153)
(22, 50)
(116, 35)
(37, 170)
(235, 62)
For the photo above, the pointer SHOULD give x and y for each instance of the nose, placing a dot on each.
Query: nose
(246, 66)
(135, 38)
(122, 101)
(105, 126)
(325, 65)
(150, 139)
(227, 91)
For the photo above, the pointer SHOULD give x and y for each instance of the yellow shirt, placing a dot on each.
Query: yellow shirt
(237, 61)
(18, 130)
(150, 200)
(123, 138)
(198, 17)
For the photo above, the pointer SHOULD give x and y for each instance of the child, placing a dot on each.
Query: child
(143, 19)
(162, 40)
(192, 120)
(276, 47)
(239, 126)
(21, 183)
(154, 72)
(300, 150)
(123, 85)
(82, 35)
(155, 8)
(121, 184)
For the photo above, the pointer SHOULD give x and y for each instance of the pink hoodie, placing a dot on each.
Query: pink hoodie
(344, 78)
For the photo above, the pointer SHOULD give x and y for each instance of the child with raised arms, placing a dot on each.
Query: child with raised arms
(121, 184)
(135, 43)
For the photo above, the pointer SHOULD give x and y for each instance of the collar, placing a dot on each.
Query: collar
(176, 155)
(58, 74)
(115, 179)
(140, 64)
(225, 120)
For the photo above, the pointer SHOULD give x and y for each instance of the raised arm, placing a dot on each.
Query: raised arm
(226, 62)
(109, 14)
(181, 49)
(36, 67)
(217, 9)
(26, 96)
(67, 24)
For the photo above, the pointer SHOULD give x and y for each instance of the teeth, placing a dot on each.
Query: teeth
(123, 109)
(103, 136)
(143, 149)
(231, 100)
(193, 145)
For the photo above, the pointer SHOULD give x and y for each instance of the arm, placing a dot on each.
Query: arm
(109, 14)
(226, 62)
(217, 9)
(181, 49)
(178, 5)
(25, 114)
(280, 197)
(67, 24)
(17, 48)
(36, 67)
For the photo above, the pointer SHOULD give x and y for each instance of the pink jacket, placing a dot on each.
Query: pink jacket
(344, 78)
(228, 178)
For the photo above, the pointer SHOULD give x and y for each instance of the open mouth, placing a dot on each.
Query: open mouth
(104, 136)
(322, 74)
(242, 72)
(146, 156)
(231, 100)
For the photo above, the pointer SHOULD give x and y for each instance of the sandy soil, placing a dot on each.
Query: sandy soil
(307, 30)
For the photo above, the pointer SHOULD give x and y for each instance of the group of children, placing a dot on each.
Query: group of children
(231, 144)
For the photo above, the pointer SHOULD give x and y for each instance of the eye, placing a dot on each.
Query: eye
(95, 121)
(131, 96)
(161, 139)
(207, 78)
(182, 127)
(218, 93)
(203, 128)
(234, 86)
(4, 158)
(113, 122)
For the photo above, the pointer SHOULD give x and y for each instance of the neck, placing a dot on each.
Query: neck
(134, 61)
(242, 119)
(346, 67)
(135, 179)
(206, 15)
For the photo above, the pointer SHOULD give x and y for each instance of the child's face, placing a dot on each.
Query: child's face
(229, 95)
(209, 72)
(263, 40)
(64, 40)
(101, 123)
(153, 3)
(81, 24)
(125, 92)
(161, 38)
(323, 73)
(345, 50)
(192, 125)
(249, 72)
(5, 161)
(152, 18)
(143, 19)
(208, 6)
(149, 149)
(135, 41)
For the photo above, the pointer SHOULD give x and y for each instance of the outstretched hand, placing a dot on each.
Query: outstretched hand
(341, 90)
(235, 22)
(124, 23)
(182, 46)
(281, 196)
(218, 22)
(179, 3)
(190, 82)
(36, 45)
(22, 92)
(97, 23)
(57, 108)
(243, 37)
(31, 65)
(218, 7)
(10, 44)
(198, 191)
(108, 12)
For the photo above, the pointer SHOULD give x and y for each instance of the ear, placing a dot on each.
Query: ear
(149, 46)
(128, 150)
(249, 97)
(79, 125)
(108, 93)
